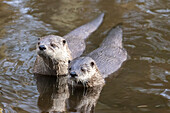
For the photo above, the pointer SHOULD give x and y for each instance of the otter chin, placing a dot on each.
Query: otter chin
(53, 56)
(83, 71)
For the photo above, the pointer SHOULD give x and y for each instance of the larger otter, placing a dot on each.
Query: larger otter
(54, 52)
(91, 70)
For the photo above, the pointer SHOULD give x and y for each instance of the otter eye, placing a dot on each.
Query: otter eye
(38, 43)
(69, 69)
(52, 44)
(69, 61)
(92, 64)
(64, 42)
(83, 70)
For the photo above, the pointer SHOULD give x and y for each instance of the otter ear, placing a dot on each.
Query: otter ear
(92, 64)
(38, 41)
(64, 42)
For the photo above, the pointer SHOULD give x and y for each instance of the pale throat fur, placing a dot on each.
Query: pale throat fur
(53, 56)
(83, 71)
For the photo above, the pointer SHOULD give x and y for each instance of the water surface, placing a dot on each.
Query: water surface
(142, 84)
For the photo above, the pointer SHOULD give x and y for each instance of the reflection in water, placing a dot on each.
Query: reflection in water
(166, 93)
(158, 73)
(84, 100)
(63, 14)
(53, 93)
(159, 79)
(2, 50)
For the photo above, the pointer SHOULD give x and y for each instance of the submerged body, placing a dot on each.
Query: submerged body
(53, 93)
(54, 52)
(84, 101)
(108, 58)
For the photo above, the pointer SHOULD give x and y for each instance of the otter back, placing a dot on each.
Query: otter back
(76, 37)
(111, 54)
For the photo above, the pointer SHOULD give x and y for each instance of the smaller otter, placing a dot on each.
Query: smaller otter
(54, 52)
(84, 71)
(91, 70)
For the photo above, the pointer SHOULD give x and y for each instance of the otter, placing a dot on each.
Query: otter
(54, 52)
(91, 70)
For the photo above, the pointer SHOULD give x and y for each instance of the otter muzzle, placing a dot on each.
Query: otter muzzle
(42, 47)
(73, 74)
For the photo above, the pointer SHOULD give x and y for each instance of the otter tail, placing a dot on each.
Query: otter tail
(114, 37)
(84, 31)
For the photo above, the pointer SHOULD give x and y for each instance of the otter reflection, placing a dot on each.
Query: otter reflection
(54, 93)
(84, 100)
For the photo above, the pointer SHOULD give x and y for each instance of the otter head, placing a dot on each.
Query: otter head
(85, 71)
(55, 53)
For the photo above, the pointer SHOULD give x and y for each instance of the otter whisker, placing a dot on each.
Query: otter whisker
(72, 87)
(84, 91)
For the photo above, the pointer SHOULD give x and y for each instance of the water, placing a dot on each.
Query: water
(142, 84)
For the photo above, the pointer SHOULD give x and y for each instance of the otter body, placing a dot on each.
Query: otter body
(76, 38)
(111, 54)
(108, 58)
(54, 52)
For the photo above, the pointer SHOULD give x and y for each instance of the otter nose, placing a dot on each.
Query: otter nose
(42, 47)
(73, 74)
